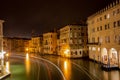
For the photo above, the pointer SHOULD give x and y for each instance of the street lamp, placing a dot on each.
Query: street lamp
(66, 52)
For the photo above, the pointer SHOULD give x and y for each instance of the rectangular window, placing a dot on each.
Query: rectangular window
(80, 41)
(105, 16)
(114, 24)
(105, 27)
(107, 39)
(71, 41)
(114, 13)
(118, 11)
(100, 18)
(93, 30)
(97, 28)
(100, 27)
(108, 26)
(119, 39)
(118, 23)
(75, 34)
(93, 39)
(71, 35)
(98, 39)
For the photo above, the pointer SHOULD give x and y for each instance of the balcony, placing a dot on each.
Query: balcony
(93, 43)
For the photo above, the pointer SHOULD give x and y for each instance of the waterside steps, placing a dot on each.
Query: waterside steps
(4, 74)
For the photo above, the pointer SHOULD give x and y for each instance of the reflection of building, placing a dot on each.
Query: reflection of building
(104, 35)
(50, 43)
(73, 40)
(36, 45)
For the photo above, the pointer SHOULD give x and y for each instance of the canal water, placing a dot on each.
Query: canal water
(72, 69)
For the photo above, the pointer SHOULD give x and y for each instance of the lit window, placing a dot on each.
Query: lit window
(71, 35)
(89, 48)
(98, 49)
(71, 41)
(108, 16)
(93, 49)
(75, 34)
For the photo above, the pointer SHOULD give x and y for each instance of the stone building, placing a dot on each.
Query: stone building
(73, 41)
(50, 43)
(36, 45)
(104, 35)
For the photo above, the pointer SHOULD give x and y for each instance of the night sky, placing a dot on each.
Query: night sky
(39, 16)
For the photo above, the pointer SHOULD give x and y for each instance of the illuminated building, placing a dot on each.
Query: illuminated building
(15, 45)
(36, 45)
(7, 44)
(104, 35)
(73, 40)
(50, 43)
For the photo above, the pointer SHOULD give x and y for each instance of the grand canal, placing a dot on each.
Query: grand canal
(57, 68)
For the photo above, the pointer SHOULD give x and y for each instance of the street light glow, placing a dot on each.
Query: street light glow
(66, 51)
(27, 56)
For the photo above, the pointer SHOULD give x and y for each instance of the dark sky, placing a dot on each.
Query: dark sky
(24, 16)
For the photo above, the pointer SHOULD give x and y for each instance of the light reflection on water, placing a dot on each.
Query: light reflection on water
(27, 64)
(67, 69)
(113, 75)
(7, 66)
(33, 71)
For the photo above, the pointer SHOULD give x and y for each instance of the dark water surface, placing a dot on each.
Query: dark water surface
(58, 69)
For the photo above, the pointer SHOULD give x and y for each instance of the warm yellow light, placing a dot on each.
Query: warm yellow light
(27, 56)
(7, 66)
(7, 54)
(65, 65)
(27, 61)
(26, 49)
(66, 51)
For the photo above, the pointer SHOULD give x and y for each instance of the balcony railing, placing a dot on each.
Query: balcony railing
(93, 43)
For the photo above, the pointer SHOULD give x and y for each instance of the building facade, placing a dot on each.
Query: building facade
(1, 35)
(36, 45)
(7, 44)
(104, 35)
(15, 45)
(73, 41)
(50, 43)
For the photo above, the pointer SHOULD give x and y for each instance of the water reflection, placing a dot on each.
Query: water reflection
(7, 66)
(27, 64)
(113, 75)
(67, 69)
(96, 70)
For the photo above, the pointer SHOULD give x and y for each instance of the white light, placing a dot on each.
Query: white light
(93, 49)
(66, 51)
(108, 16)
(98, 49)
